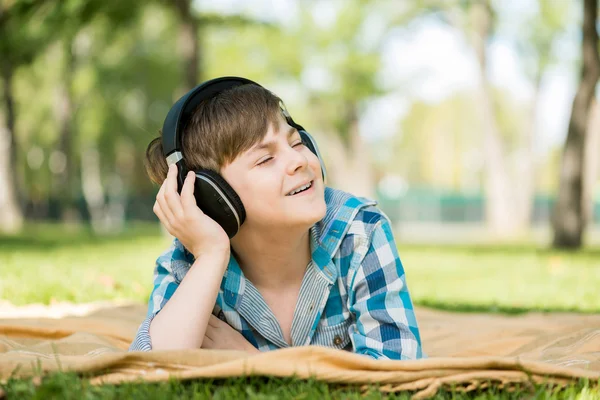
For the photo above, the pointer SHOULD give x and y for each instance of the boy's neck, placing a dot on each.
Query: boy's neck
(275, 259)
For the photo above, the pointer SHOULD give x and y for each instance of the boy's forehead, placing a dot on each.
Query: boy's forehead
(273, 130)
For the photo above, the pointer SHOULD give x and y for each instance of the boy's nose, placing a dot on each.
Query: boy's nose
(297, 161)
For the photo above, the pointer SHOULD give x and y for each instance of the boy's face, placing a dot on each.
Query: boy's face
(264, 176)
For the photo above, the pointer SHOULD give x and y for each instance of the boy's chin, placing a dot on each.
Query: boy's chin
(302, 217)
(311, 216)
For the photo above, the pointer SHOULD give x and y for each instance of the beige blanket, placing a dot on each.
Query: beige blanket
(465, 351)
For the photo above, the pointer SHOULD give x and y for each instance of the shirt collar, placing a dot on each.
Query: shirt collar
(325, 238)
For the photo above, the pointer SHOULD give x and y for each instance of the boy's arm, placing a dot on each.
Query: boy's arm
(165, 284)
(385, 325)
(183, 321)
(185, 304)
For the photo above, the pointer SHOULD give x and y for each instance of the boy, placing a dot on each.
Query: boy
(309, 265)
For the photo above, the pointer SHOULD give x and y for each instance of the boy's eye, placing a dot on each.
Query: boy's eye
(298, 143)
(265, 161)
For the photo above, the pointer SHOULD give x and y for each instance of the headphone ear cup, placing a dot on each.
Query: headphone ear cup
(310, 142)
(232, 196)
(217, 199)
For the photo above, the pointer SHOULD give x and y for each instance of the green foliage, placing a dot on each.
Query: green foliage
(21, 39)
(435, 147)
(538, 36)
(122, 85)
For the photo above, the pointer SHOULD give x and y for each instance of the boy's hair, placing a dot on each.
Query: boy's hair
(220, 129)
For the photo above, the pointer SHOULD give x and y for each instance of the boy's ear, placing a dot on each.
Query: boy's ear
(310, 142)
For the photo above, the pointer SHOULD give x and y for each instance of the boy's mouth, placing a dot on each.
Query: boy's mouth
(301, 189)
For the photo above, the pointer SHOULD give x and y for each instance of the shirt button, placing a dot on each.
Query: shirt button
(337, 340)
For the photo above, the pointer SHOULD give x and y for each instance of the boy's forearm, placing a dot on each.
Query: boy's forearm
(182, 321)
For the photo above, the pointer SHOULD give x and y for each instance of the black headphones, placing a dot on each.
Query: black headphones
(214, 196)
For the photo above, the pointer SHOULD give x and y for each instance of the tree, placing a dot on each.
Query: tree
(68, 20)
(189, 44)
(477, 20)
(192, 29)
(21, 41)
(500, 205)
(569, 219)
(535, 42)
(510, 165)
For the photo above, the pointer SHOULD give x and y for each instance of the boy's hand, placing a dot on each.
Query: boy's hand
(219, 335)
(199, 233)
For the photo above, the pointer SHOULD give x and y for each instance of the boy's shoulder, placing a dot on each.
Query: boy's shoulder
(347, 215)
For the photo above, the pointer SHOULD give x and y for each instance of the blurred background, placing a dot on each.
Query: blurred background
(475, 124)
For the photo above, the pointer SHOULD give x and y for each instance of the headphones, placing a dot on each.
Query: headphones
(214, 196)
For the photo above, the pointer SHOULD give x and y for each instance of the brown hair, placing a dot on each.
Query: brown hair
(220, 129)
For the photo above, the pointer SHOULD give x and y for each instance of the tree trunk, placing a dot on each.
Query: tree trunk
(568, 219)
(501, 215)
(189, 44)
(107, 210)
(590, 169)
(64, 186)
(11, 214)
(526, 166)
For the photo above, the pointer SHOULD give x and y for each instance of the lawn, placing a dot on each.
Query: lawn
(49, 264)
(69, 386)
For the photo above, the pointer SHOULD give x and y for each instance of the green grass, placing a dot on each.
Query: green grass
(50, 263)
(47, 263)
(503, 278)
(70, 386)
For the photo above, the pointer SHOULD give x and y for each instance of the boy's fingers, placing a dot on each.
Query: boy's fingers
(211, 321)
(207, 343)
(161, 190)
(172, 178)
(161, 216)
(188, 201)
(215, 322)
(162, 201)
(171, 196)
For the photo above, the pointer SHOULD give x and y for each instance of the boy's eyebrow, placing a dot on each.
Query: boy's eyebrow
(270, 143)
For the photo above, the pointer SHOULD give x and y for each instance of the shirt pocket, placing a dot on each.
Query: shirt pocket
(334, 336)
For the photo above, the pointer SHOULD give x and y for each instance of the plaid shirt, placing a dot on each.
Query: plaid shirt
(353, 295)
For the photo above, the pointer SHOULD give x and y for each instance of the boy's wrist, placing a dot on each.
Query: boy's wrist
(213, 257)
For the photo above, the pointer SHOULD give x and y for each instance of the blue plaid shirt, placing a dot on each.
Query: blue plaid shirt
(353, 295)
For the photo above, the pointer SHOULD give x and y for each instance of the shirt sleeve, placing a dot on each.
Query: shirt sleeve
(170, 268)
(385, 325)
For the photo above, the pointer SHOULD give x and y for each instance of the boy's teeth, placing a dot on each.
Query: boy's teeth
(300, 189)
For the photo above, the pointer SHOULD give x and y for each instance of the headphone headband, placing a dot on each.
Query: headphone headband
(182, 110)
